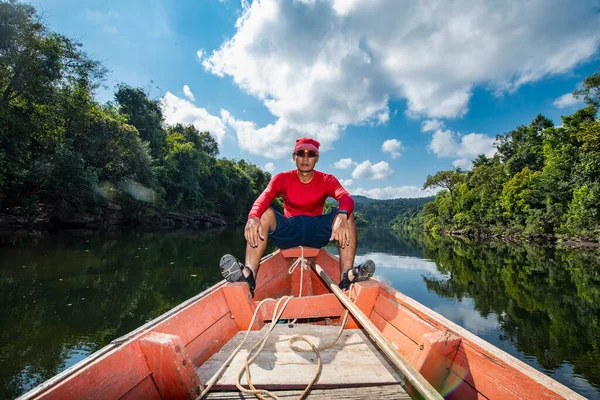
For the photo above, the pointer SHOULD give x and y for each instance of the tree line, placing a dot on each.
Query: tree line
(58, 144)
(543, 180)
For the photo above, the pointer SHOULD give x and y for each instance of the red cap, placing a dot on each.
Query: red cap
(307, 143)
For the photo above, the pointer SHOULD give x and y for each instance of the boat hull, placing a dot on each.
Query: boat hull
(160, 359)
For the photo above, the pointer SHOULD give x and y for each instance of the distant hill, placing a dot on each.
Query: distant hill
(383, 212)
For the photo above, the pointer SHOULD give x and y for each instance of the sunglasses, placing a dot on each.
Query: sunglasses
(309, 153)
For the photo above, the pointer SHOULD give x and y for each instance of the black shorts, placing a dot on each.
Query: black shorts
(302, 230)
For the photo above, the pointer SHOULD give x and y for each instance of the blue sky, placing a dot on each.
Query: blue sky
(393, 90)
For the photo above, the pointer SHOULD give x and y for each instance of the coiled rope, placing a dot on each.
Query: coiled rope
(282, 302)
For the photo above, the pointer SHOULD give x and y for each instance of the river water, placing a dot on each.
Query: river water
(64, 296)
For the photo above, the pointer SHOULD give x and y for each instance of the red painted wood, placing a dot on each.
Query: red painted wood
(434, 356)
(364, 294)
(457, 389)
(212, 339)
(493, 378)
(401, 342)
(172, 370)
(306, 281)
(109, 377)
(270, 268)
(278, 285)
(242, 308)
(492, 372)
(296, 252)
(317, 285)
(146, 389)
(330, 265)
(325, 305)
(204, 313)
(404, 319)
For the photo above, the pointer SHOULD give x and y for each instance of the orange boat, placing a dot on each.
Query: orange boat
(388, 346)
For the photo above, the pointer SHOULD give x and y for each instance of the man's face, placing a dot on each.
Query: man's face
(306, 160)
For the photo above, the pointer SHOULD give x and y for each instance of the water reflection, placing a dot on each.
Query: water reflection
(63, 297)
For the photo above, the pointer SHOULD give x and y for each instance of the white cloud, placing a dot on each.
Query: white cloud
(269, 167)
(346, 182)
(390, 192)
(462, 163)
(446, 143)
(200, 54)
(366, 170)
(370, 52)
(567, 100)
(177, 110)
(188, 93)
(431, 125)
(344, 163)
(392, 146)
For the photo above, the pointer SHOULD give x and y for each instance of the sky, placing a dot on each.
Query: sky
(393, 90)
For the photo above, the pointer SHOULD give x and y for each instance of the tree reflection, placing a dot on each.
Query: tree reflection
(65, 297)
(547, 299)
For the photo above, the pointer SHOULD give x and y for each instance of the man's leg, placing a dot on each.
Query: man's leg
(254, 254)
(347, 253)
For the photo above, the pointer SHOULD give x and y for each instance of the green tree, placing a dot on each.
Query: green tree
(590, 91)
(447, 180)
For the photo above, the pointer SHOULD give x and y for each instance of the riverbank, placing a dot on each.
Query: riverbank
(540, 239)
(108, 215)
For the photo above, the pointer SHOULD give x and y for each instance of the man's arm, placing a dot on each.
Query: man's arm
(335, 189)
(263, 201)
(253, 230)
(340, 231)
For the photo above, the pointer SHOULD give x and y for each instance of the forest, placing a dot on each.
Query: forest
(60, 146)
(543, 181)
(63, 151)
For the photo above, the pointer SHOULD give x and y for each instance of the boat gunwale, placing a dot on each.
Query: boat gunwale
(120, 341)
(484, 346)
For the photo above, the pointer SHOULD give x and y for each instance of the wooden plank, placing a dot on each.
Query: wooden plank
(109, 377)
(455, 388)
(277, 285)
(204, 313)
(365, 294)
(71, 374)
(434, 356)
(317, 286)
(296, 252)
(330, 264)
(212, 339)
(146, 389)
(172, 369)
(279, 367)
(382, 392)
(301, 274)
(242, 308)
(484, 365)
(406, 321)
(325, 305)
(270, 268)
(399, 340)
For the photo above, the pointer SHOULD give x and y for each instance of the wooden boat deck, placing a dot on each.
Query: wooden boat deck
(352, 362)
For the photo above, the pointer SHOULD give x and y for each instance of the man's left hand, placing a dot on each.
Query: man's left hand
(340, 230)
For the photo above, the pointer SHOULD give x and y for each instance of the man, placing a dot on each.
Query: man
(304, 191)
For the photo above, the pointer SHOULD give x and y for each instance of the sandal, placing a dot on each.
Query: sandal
(232, 271)
(361, 272)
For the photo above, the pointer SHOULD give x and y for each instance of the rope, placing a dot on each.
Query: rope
(304, 266)
(260, 393)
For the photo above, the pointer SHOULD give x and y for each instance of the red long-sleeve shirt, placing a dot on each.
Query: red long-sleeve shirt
(302, 198)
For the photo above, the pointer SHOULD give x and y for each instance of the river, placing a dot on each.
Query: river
(64, 296)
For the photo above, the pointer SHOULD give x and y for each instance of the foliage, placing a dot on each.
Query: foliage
(543, 180)
(58, 144)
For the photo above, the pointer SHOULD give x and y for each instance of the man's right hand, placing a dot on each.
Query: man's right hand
(253, 231)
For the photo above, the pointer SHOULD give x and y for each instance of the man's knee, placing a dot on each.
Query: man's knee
(268, 219)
